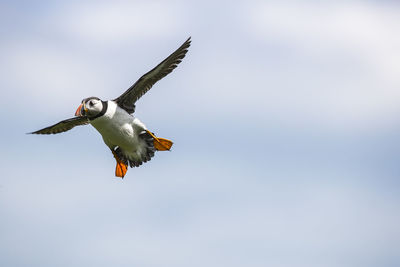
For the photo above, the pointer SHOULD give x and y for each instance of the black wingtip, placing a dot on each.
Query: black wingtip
(184, 48)
(186, 44)
(188, 41)
(35, 132)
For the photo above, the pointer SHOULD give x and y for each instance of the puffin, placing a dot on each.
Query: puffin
(129, 140)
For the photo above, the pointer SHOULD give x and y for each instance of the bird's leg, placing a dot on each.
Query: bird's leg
(121, 168)
(160, 144)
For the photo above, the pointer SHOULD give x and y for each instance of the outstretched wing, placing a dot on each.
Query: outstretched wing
(129, 97)
(63, 126)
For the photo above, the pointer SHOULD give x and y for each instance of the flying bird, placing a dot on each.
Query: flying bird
(129, 140)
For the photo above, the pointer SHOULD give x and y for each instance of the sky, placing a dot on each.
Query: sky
(284, 117)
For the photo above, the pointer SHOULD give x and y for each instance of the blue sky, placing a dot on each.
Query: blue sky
(284, 114)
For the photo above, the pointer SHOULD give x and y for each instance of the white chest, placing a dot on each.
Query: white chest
(118, 128)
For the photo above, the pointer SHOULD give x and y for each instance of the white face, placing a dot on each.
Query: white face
(93, 107)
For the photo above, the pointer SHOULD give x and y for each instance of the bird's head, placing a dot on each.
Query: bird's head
(89, 107)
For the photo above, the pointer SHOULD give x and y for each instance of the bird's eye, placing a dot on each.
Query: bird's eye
(91, 103)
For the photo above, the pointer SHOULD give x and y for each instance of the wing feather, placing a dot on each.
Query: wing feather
(129, 97)
(63, 126)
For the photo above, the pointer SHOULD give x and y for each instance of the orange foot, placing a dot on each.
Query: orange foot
(121, 168)
(161, 144)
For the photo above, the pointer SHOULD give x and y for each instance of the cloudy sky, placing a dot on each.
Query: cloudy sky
(285, 117)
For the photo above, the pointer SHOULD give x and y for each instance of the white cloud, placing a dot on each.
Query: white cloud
(49, 75)
(118, 22)
(348, 54)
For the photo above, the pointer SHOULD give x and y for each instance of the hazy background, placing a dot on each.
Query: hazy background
(285, 117)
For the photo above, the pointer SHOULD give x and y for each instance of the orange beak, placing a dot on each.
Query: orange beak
(80, 110)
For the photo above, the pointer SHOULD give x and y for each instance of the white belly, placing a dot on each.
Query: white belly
(118, 128)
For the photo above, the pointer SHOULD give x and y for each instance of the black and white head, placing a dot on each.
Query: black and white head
(90, 107)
